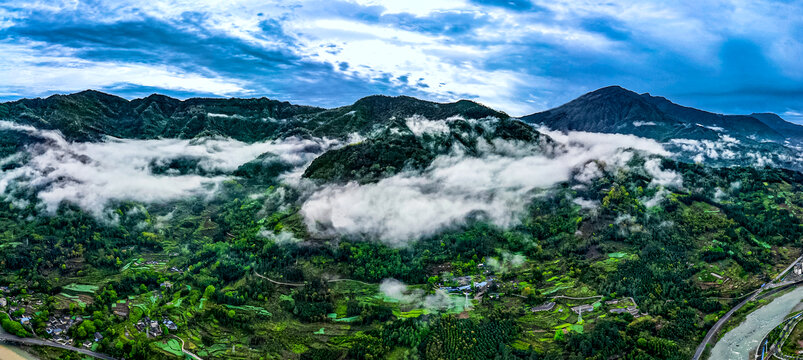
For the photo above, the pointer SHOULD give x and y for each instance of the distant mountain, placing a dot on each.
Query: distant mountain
(780, 125)
(694, 135)
(90, 114)
(744, 125)
(614, 109)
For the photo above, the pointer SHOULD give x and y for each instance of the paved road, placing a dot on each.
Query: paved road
(715, 329)
(40, 342)
(785, 332)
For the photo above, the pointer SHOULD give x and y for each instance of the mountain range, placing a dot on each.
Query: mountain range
(696, 135)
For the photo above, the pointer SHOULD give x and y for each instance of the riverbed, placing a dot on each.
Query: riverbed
(737, 343)
(12, 352)
(9, 352)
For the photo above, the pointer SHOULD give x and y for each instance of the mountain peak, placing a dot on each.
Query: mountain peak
(614, 109)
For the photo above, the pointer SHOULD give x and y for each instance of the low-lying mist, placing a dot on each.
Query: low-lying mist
(92, 174)
(495, 186)
(493, 182)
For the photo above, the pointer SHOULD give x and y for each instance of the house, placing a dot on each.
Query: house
(632, 310)
(141, 324)
(544, 307)
(98, 337)
(581, 308)
(154, 329)
(170, 324)
(3, 302)
(166, 284)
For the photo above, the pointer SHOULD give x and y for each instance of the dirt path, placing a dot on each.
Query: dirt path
(303, 284)
(196, 357)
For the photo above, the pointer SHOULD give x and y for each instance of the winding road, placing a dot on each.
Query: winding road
(39, 342)
(718, 325)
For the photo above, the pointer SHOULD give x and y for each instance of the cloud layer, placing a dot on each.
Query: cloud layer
(495, 186)
(91, 175)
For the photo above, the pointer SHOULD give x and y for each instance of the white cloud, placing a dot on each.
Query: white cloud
(666, 178)
(417, 7)
(495, 186)
(644, 123)
(397, 290)
(508, 261)
(420, 125)
(589, 172)
(656, 199)
(41, 71)
(712, 127)
(91, 175)
(586, 203)
(282, 238)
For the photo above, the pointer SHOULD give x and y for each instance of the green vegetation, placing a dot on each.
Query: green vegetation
(240, 275)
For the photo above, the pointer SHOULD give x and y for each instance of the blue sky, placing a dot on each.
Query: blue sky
(518, 56)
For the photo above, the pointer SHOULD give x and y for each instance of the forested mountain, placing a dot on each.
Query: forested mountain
(87, 115)
(618, 225)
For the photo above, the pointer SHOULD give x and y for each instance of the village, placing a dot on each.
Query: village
(25, 308)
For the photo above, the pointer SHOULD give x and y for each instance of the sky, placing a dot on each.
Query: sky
(517, 56)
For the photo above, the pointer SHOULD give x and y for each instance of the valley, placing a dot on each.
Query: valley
(393, 228)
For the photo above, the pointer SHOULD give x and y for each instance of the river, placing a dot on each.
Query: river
(737, 343)
(12, 352)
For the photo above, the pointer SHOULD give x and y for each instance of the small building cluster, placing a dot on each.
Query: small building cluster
(631, 309)
(580, 309)
(57, 327)
(466, 285)
(151, 327)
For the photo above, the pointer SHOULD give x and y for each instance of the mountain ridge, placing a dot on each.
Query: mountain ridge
(90, 114)
(615, 109)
